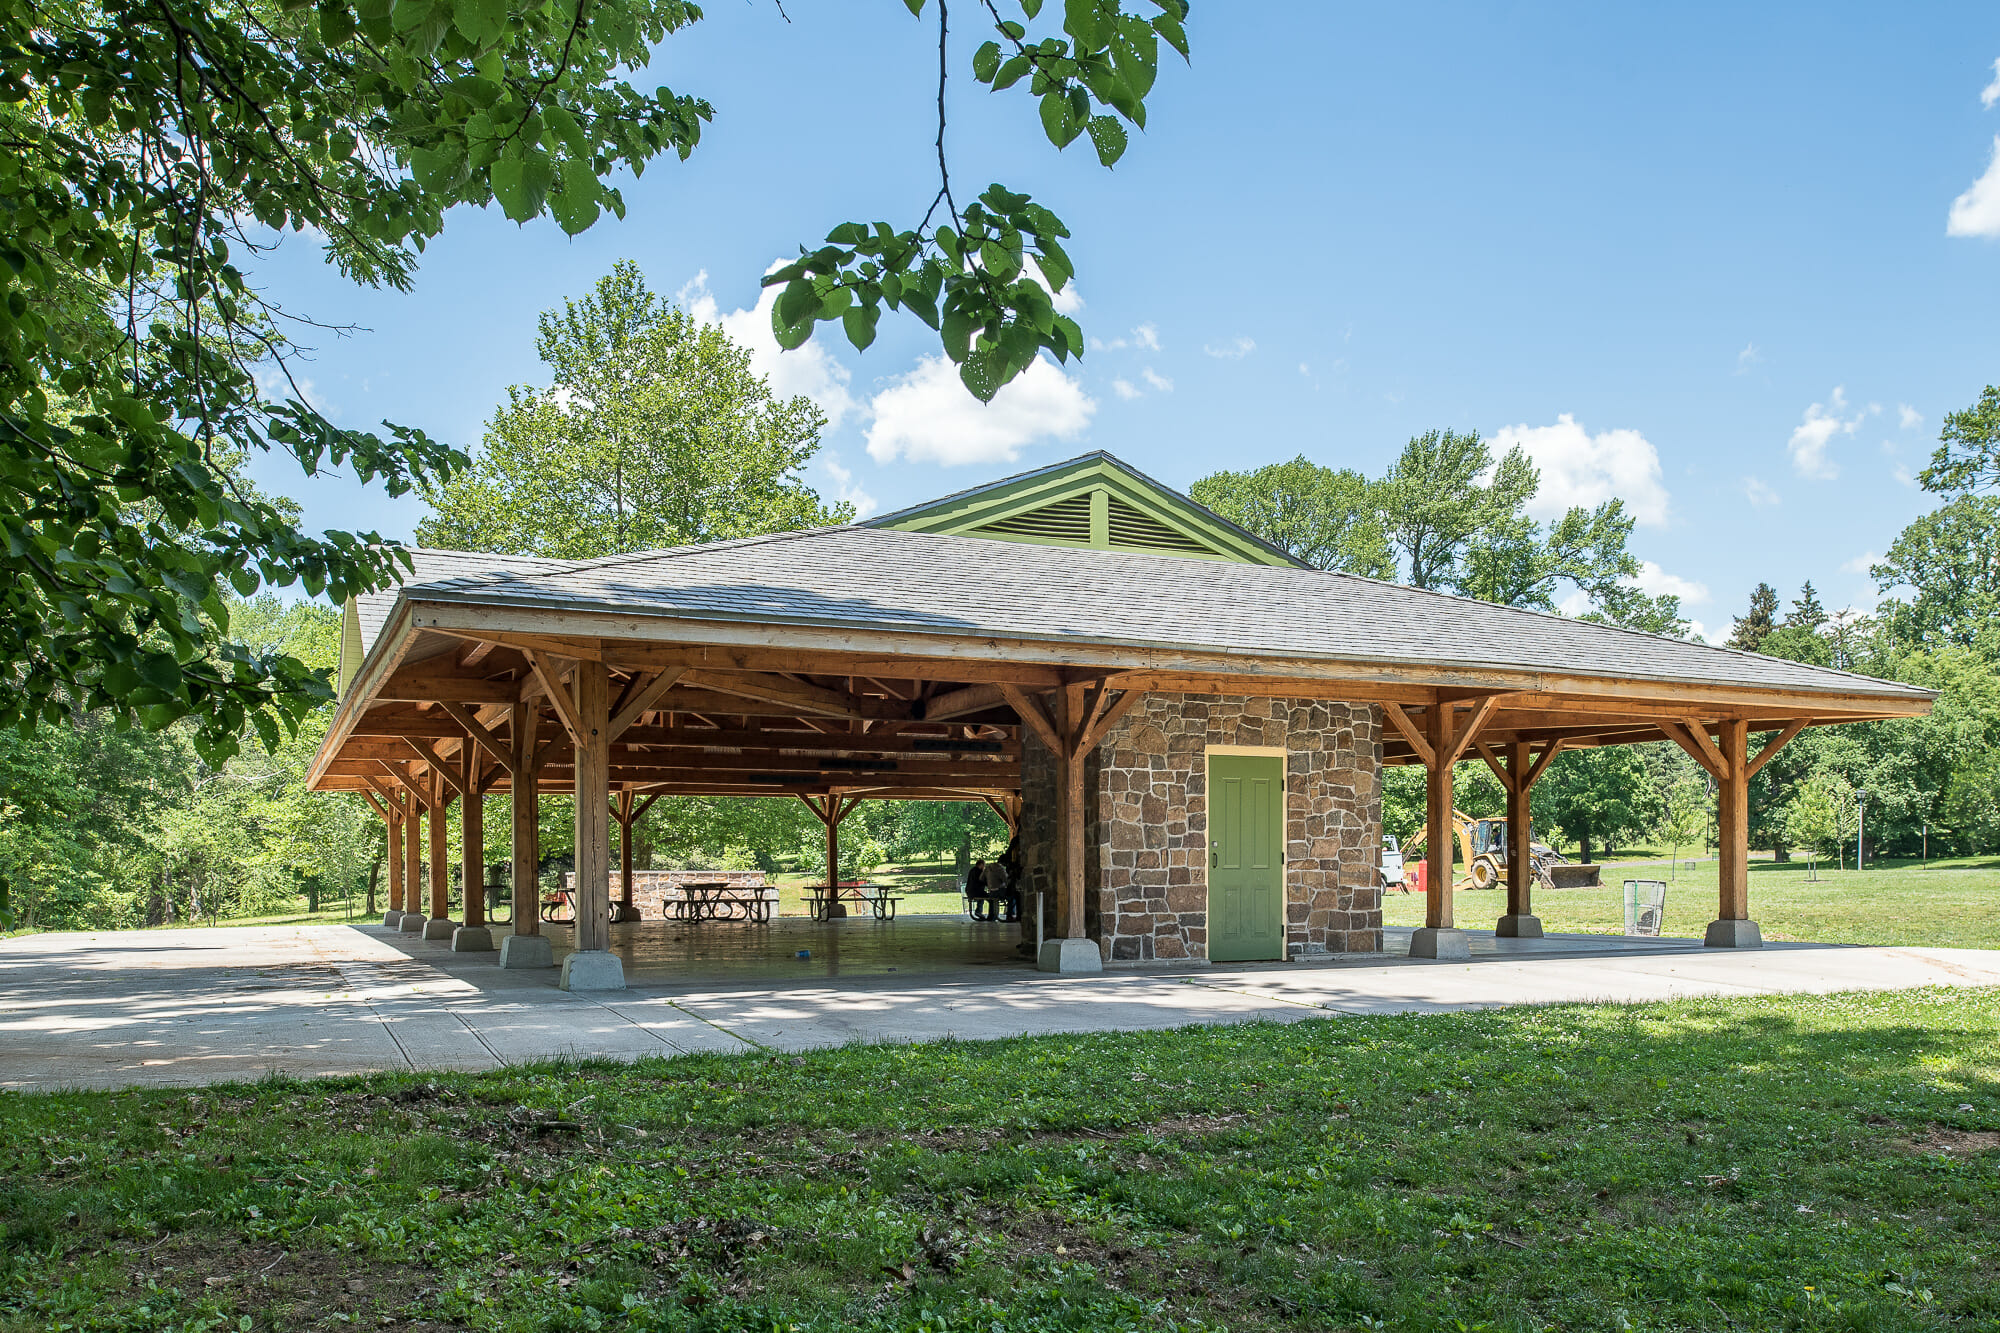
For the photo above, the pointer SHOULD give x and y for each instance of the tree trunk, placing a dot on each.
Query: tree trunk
(1583, 849)
(374, 877)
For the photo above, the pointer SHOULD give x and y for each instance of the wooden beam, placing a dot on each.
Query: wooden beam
(1401, 721)
(1693, 737)
(959, 702)
(1493, 762)
(548, 671)
(1109, 719)
(643, 699)
(440, 765)
(1775, 744)
(380, 809)
(771, 689)
(487, 741)
(1541, 764)
(424, 683)
(1035, 714)
(1480, 712)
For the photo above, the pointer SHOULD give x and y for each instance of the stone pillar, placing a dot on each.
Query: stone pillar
(393, 917)
(526, 946)
(1440, 936)
(1520, 921)
(592, 966)
(1733, 928)
(473, 936)
(413, 865)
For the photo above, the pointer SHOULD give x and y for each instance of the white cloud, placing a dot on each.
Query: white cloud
(1157, 380)
(273, 385)
(1758, 494)
(929, 416)
(1579, 468)
(1977, 211)
(1697, 630)
(1126, 389)
(1991, 92)
(1656, 582)
(1903, 475)
(1815, 432)
(809, 370)
(1909, 416)
(1574, 605)
(1234, 350)
(1068, 301)
(1860, 563)
(1747, 358)
(1145, 336)
(843, 480)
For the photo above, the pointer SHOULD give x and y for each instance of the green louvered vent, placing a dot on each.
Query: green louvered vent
(1135, 531)
(1064, 521)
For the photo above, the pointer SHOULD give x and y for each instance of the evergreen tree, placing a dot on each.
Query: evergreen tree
(1807, 613)
(1752, 628)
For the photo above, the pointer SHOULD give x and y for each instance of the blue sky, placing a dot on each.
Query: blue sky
(1703, 261)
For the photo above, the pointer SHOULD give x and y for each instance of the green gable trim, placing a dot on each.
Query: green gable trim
(1094, 501)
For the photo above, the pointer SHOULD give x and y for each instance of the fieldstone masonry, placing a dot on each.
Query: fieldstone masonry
(1146, 834)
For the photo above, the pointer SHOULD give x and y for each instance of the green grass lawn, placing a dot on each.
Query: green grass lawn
(1953, 904)
(1798, 1163)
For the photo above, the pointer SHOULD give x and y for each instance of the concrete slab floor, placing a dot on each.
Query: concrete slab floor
(179, 1007)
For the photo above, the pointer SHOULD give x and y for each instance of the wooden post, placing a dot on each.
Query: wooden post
(440, 856)
(1733, 928)
(1440, 937)
(1520, 922)
(395, 808)
(413, 855)
(527, 850)
(626, 910)
(472, 841)
(1070, 763)
(592, 697)
(832, 820)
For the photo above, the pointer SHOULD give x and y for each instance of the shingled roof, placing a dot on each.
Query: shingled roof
(913, 582)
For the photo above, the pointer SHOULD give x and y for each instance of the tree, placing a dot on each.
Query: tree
(1968, 455)
(1752, 627)
(653, 432)
(1806, 613)
(1950, 560)
(1812, 819)
(1436, 508)
(153, 150)
(1685, 811)
(1597, 797)
(1329, 519)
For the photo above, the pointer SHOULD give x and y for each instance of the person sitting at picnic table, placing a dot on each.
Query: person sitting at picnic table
(977, 902)
(1000, 891)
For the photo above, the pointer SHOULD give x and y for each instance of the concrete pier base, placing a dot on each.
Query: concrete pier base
(1442, 943)
(621, 912)
(472, 939)
(1733, 935)
(591, 969)
(1070, 956)
(1519, 926)
(392, 919)
(520, 952)
(412, 923)
(439, 928)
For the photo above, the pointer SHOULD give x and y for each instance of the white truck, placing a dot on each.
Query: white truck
(1392, 862)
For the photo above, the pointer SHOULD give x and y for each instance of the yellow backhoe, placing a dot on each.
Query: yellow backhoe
(1482, 843)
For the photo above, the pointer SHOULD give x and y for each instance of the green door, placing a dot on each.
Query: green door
(1246, 857)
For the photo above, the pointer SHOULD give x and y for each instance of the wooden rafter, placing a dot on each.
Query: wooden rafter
(1410, 732)
(641, 699)
(549, 672)
(1775, 744)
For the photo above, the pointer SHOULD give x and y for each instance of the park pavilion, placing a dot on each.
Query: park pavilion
(1184, 725)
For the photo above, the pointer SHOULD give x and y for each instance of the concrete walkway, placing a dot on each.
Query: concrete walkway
(198, 1006)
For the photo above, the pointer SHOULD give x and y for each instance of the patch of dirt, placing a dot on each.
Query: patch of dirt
(304, 1289)
(1963, 1142)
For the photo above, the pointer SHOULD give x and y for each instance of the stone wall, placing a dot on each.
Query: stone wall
(1148, 828)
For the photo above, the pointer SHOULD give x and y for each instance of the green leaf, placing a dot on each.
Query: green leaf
(1108, 137)
(481, 21)
(1011, 73)
(575, 205)
(1058, 121)
(521, 184)
(916, 7)
(986, 62)
(859, 321)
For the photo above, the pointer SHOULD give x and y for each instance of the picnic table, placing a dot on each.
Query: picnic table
(719, 900)
(876, 897)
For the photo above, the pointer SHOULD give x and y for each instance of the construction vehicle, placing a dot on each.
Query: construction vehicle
(1482, 843)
